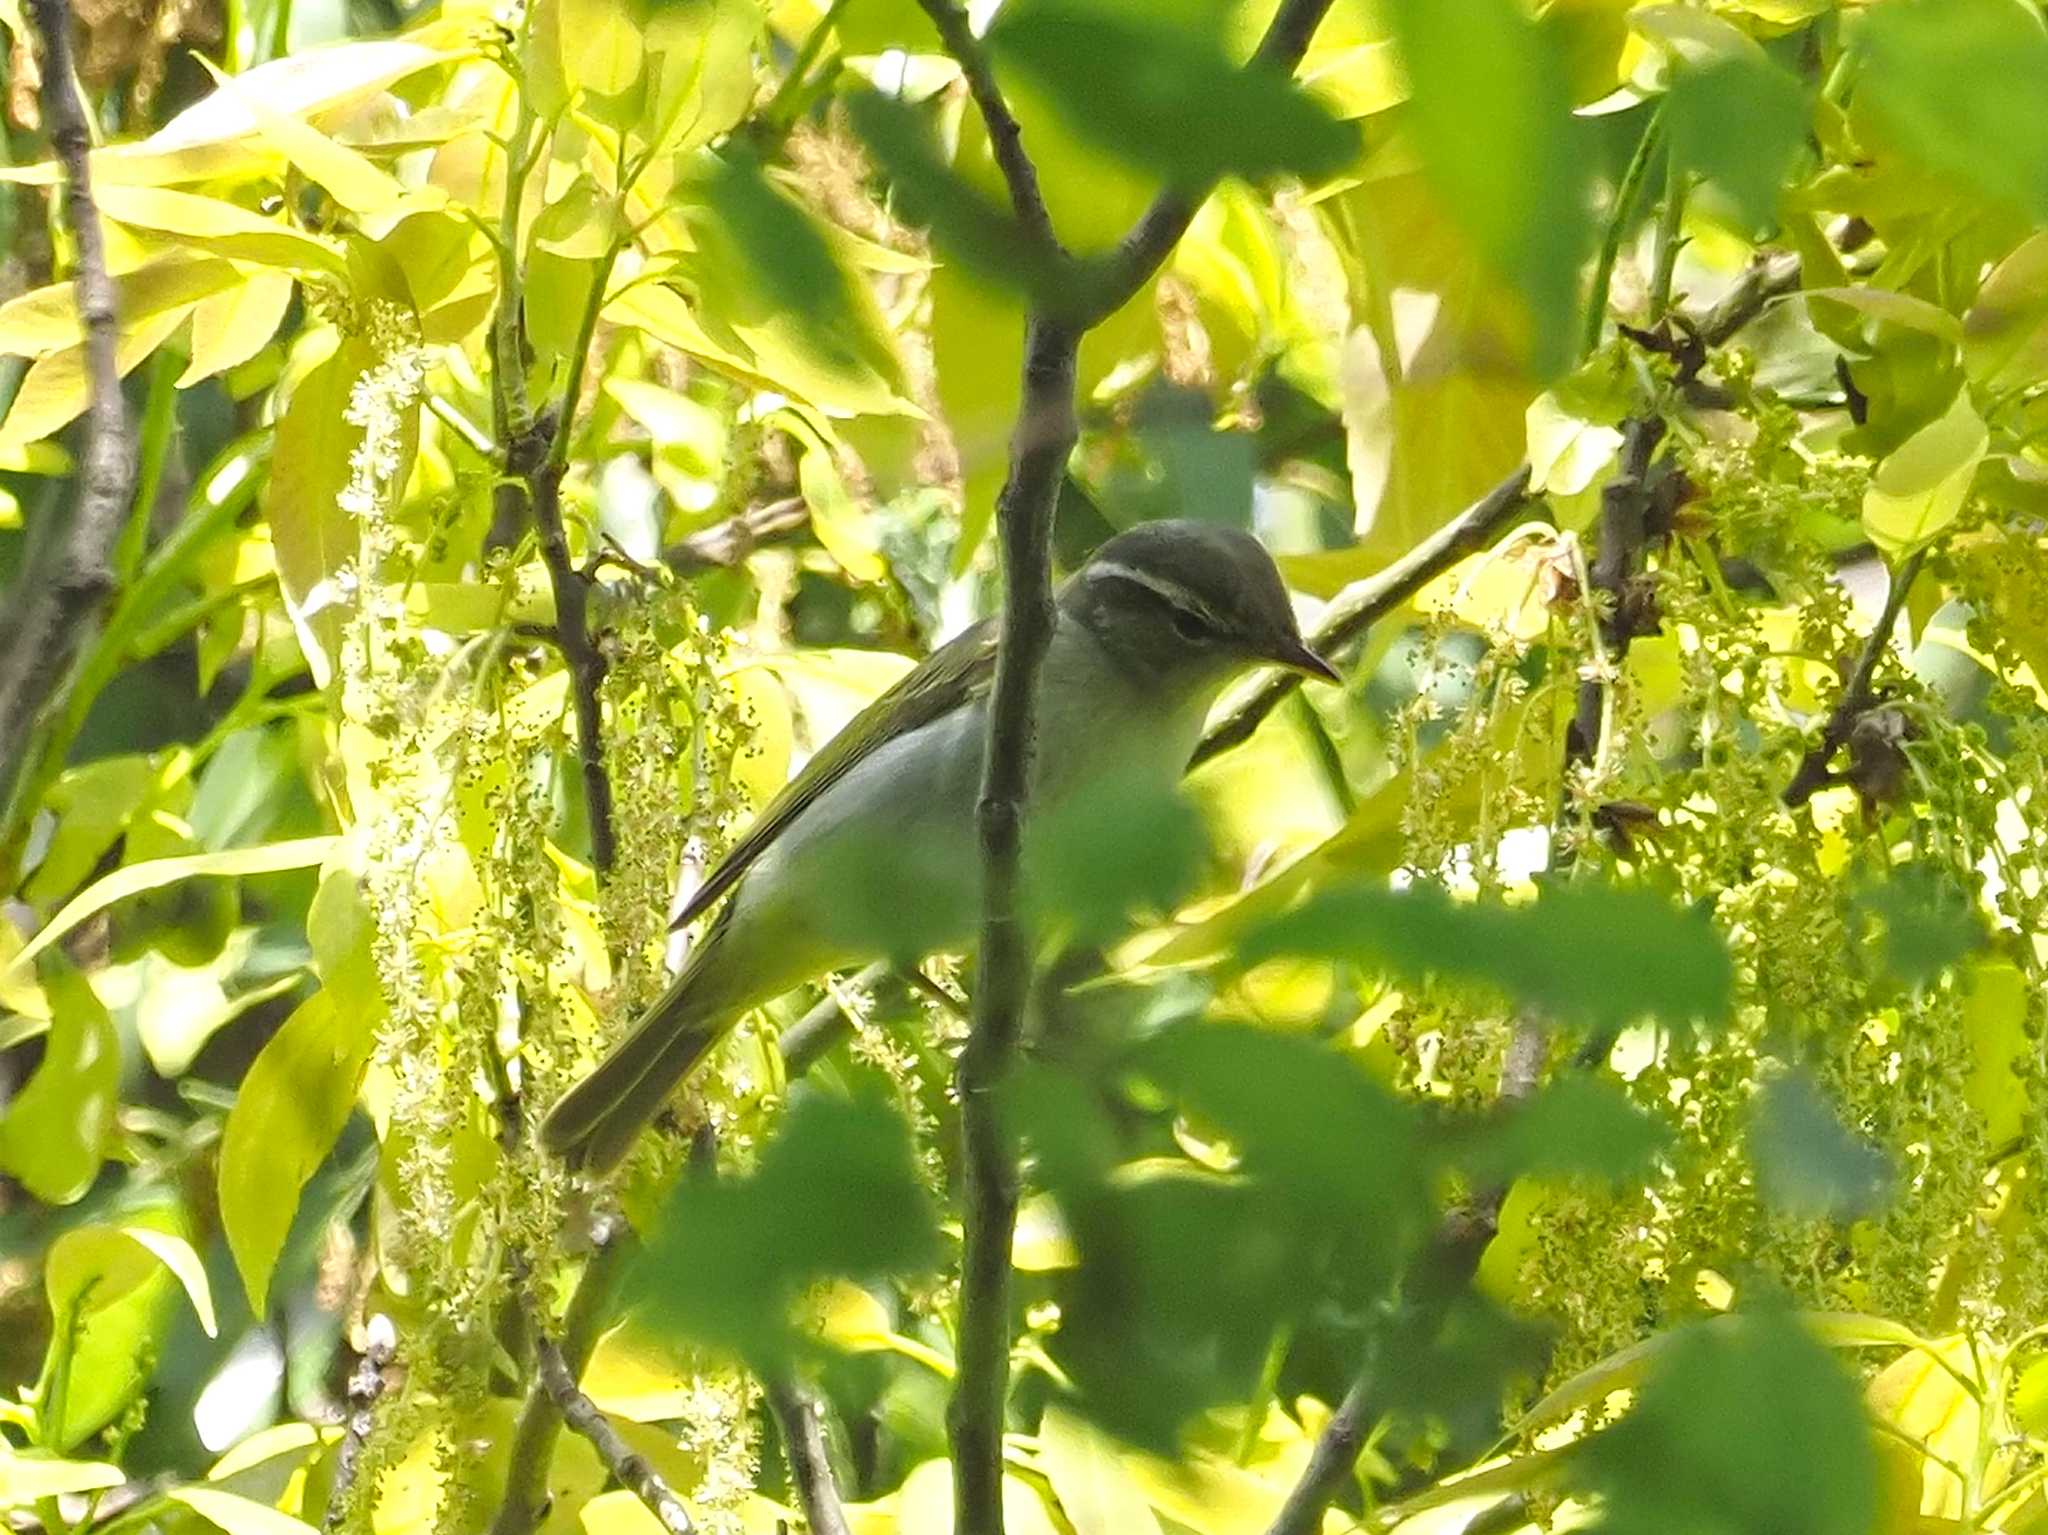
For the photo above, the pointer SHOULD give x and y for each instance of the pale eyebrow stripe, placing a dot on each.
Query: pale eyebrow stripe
(1172, 593)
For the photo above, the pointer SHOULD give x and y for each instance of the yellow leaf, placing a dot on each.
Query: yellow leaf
(176, 1254)
(1096, 1490)
(239, 1515)
(841, 523)
(601, 47)
(222, 228)
(924, 1504)
(229, 328)
(26, 1478)
(350, 177)
(55, 391)
(45, 320)
(1919, 489)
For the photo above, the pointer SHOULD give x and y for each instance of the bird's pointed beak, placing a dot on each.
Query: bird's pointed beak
(1296, 656)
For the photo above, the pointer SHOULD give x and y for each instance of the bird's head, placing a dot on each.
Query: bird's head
(1187, 603)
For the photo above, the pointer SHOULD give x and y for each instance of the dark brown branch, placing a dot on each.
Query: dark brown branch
(1364, 604)
(810, 1463)
(1005, 138)
(580, 654)
(627, 1465)
(60, 597)
(1045, 435)
(365, 1389)
(1624, 529)
(1813, 773)
(1151, 240)
(726, 544)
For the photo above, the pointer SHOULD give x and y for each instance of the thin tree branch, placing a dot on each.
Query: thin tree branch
(1364, 603)
(540, 1419)
(571, 585)
(58, 601)
(726, 544)
(628, 1466)
(1045, 435)
(810, 1463)
(1117, 279)
(1005, 138)
(365, 1388)
(1813, 773)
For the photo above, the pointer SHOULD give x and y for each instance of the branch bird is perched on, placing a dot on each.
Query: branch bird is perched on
(871, 852)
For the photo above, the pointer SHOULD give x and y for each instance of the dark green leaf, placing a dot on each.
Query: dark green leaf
(836, 1193)
(1595, 954)
(1169, 99)
(1739, 122)
(968, 228)
(1745, 1424)
(1957, 86)
(1807, 1163)
(1491, 114)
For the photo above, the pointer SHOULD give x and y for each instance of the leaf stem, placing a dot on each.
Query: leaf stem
(1628, 198)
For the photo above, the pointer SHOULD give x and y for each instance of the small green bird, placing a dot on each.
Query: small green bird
(871, 851)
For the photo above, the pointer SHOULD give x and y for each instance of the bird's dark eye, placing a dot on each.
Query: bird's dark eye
(1189, 626)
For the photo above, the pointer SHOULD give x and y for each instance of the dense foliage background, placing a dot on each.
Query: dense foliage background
(1588, 1070)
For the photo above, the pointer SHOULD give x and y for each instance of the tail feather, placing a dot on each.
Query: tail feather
(594, 1124)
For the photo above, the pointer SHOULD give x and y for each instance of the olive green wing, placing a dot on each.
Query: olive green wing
(956, 673)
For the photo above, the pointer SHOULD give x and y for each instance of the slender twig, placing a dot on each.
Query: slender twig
(628, 1466)
(810, 1462)
(1046, 432)
(571, 584)
(59, 599)
(1364, 603)
(726, 544)
(540, 1419)
(1813, 773)
(365, 1388)
(1005, 138)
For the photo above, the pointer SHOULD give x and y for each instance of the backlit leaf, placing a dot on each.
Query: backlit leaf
(230, 328)
(60, 1126)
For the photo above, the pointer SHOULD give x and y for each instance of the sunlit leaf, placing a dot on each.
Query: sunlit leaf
(221, 228)
(45, 320)
(27, 1477)
(230, 328)
(1097, 1492)
(55, 390)
(111, 1300)
(238, 1515)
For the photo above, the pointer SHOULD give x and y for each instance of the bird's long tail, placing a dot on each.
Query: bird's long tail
(594, 1124)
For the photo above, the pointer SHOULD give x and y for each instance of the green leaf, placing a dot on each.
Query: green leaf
(110, 1302)
(1919, 489)
(1956, 86)
(836, 1192)
(1743, 1425)
(60, 1127)
(1579, 1126)
(1807, 1164)
(1925, 924)
(93, 802)
(45, 320)
(1740, 122)
(982, 236)
(293, 1102)
(1491, 115)
(1168, 99)
(1598, 954)
(302, 853)
(1100, 854)
(765, 268)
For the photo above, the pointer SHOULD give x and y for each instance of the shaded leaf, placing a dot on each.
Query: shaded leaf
(1187, 112)
(1807, 1164)
(1577, 1126)
(836, 1192)
(1739, 122)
